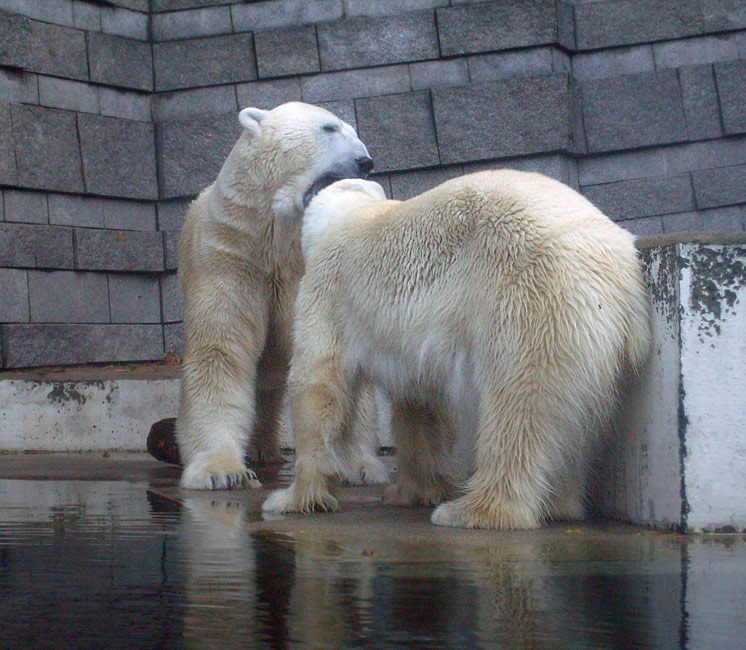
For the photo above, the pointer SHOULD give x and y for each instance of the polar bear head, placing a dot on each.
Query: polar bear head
(286, 155)
(337, 202)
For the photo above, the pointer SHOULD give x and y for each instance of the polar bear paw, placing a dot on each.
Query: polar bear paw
(460, 513)
(291, 500)
(455, 515)
(217, 473)
(374, 472)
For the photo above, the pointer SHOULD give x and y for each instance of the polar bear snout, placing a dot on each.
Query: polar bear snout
(350, 166)
(365, 165)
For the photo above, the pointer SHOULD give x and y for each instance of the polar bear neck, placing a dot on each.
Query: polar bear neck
(248, 217)
(236, 187)
(334, 208)
(241, 180)
(315, 224)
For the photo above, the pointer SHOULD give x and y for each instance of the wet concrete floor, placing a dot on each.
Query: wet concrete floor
(108, 552)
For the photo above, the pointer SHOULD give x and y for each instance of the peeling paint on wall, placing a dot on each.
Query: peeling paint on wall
(717, 275)
(661, 267)
(64, 392)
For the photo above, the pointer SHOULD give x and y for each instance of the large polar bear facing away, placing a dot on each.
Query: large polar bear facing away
(500, 305)
(240, 263)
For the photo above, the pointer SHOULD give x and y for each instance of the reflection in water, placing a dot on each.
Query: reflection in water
(105, 565)
(84, 565)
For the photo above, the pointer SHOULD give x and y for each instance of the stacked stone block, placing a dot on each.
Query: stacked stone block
(114, 115)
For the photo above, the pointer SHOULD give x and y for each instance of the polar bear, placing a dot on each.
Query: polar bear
(239, 266)
(501, 305)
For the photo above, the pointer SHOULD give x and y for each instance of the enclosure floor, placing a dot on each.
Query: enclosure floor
(361, 516)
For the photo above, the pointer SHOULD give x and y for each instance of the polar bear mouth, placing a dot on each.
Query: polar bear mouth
(319, 184)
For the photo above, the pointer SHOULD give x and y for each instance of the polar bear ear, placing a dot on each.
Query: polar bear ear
(252, 118)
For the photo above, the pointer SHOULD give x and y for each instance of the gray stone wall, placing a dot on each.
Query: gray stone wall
(113, 115)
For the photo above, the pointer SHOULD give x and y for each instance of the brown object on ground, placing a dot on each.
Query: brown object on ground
(162, 443)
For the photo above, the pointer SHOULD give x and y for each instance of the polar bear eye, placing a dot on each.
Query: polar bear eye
(330, 128)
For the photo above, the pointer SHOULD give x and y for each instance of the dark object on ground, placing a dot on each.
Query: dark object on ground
(162, 443)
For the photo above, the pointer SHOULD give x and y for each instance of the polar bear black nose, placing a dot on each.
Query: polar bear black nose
(365, 165)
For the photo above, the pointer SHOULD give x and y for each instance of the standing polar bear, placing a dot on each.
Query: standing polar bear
(239, 266)
(501, 305)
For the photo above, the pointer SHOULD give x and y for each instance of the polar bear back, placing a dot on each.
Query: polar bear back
(507, 223)
(499, 261)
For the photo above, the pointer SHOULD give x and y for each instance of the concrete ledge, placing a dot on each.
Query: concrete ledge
(83, 415)
(692, 237)
(101, 408)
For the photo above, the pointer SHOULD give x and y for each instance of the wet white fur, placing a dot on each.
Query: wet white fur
(500, 305)
(240, 263)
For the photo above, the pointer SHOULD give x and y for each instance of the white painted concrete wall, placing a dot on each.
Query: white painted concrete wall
(100, 415)
(83, 416)
(713, 384)
(678, 452)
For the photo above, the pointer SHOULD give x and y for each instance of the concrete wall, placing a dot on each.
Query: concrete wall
(114, 115)
(56, 416)
(81, 255)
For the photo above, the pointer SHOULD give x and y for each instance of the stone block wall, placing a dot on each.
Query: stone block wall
(114, 115)
(81, 255)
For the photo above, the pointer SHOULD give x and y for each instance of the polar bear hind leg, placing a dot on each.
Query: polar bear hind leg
(533, 434)
(264, 447)
(217, 471)
(504, 493)
(519, 446)
(356, 449)
(216, 408)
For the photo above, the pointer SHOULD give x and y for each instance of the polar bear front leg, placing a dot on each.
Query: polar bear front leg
(226, 325)
(320, 399)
